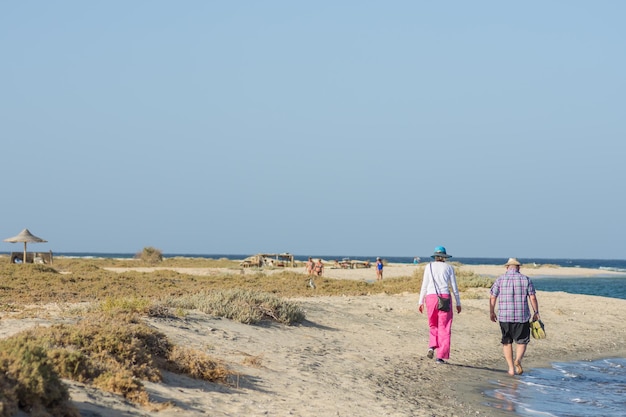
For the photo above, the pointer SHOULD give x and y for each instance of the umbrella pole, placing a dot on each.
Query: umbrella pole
(24, 261)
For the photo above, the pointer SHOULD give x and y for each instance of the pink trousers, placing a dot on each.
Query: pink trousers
(440, 323)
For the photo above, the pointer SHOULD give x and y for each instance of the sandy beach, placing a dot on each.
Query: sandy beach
(362, 356)
(396, 270)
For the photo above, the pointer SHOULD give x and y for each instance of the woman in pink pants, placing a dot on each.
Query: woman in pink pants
(438, 278)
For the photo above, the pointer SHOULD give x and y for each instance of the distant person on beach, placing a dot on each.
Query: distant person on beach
(438, 278)
(511, 292)
(309, 266)
(416, 260)
(379, 269)
(319, 267)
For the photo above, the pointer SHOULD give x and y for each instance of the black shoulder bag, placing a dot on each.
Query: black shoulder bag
(443, 303)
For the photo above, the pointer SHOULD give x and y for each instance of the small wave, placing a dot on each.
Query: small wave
(613, 269)
(573, 389)
(533, 412)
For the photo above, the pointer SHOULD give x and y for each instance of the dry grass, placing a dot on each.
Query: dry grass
(253, 361)
(62, 263)
(84, 281)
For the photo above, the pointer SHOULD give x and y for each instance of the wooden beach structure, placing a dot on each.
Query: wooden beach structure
(32, 257)
(347, 263)
(25, 237)
(269, 259)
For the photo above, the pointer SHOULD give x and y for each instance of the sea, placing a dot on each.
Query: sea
(565, 389)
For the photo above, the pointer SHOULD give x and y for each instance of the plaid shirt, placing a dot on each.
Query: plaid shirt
(512, 290)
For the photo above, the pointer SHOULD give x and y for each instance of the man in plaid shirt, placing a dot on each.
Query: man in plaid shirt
(512, 291)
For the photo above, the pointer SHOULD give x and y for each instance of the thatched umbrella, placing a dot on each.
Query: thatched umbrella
(25, 236)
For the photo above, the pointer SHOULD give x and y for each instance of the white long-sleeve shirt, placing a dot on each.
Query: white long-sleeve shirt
(443, 275)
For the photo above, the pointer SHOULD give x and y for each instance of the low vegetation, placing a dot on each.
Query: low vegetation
(245, 306)
(150, 255)
(108, 345)
(112, 352)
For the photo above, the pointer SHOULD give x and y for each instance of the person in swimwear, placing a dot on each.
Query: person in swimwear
(319, 268)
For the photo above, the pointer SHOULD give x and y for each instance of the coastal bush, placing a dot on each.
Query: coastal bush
(28, 381)
(115, 306)
(244, 306)
(150, 255)
(196, 364)
(468, 279)
(113, 353)
(21, 271)
(476, 294)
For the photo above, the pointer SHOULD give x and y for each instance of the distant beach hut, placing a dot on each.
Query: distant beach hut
(27, 237)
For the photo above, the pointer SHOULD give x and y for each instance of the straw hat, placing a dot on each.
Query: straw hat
(513, 261)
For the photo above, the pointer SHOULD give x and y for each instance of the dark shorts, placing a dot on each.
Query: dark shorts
(515, 332)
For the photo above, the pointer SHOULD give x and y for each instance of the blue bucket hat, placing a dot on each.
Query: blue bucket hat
(440, 252)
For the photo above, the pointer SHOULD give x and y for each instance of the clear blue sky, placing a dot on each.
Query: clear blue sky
(493, 128)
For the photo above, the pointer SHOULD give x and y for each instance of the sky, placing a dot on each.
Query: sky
(378, 128)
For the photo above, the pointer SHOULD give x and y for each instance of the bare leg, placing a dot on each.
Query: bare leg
(519, 355)
(508, 355)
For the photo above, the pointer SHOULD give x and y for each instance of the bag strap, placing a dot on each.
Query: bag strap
(433, 278)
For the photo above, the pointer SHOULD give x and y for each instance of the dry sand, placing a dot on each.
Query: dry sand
(364, 356)
(394, 271)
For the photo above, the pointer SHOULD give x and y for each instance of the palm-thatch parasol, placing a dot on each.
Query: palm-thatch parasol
(25, 236)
